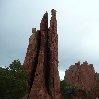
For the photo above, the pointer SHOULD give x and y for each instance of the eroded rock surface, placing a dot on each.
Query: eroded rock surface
(84, 77)
(81, 75)
(41, 61)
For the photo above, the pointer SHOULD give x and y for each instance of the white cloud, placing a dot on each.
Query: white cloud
(61, 74)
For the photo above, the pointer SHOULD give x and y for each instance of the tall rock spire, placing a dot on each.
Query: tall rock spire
(44, 23)
(41, 61)
(53, 45)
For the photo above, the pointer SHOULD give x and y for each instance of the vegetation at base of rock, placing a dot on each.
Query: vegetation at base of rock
(88, 93)
(67, 90)
(13, 81)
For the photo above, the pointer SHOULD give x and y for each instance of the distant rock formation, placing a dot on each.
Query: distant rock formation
(41, 61)
(84, 77)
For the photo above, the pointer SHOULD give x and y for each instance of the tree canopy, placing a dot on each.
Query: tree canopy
(68, 91)
(13, 81)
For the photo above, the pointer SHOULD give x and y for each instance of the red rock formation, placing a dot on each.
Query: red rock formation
(95, 91)
(82, 76)
(41, 61)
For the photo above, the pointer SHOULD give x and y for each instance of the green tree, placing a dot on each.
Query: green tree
(68, 91)
(13, 81)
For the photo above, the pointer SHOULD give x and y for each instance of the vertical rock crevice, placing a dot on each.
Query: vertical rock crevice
(35, 60)
(41, 62)
(47, 66)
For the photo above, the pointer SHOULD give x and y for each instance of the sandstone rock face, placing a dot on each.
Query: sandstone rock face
(41, 61)
(95, 91)
(82, 76)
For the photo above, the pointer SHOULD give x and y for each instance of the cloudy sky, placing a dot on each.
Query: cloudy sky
(78, 29)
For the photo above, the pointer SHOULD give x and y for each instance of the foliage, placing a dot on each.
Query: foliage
(88, 93)
(13, 81)
(67, 90)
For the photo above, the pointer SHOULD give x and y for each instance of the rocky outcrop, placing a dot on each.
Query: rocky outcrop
(41, 61)
(82, 76)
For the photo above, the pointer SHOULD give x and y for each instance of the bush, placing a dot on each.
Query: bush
(13, 81)
(67, 90)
